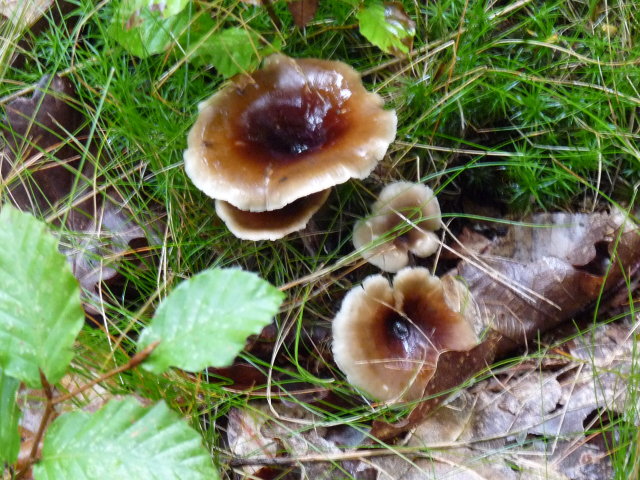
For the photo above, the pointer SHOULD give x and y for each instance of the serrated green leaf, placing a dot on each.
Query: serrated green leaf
(388, 36)
(9, 417)
(206, 320)
(123, 440)
(147, 32)
(40, 309)
(231, 51)
(167, 8)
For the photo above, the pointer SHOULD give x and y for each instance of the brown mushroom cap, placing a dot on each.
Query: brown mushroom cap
(273, 224)
(291, 129)
(400, 203)
(387, 339)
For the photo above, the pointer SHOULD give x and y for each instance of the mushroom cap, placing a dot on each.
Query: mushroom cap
(400, 203)
(273, 224)
(387, 339)
(292, 128)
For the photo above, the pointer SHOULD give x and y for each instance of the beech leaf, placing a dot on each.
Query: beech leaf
(147, 32)
(9, 416)
(303, 11)
(123, 440)
(205, 321)
(38, 161)
(231, 51)
(40, 310)
(541, 276)
(387, 27)
(167, 8)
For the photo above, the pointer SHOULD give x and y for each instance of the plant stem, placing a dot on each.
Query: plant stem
(272, 14)
(49, 411)
(136, 360)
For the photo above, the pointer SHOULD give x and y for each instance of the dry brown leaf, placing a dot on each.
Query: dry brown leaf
(245, 437)
(527, 422)
(284, 433)
(44, 170)
(532, 279)
(538, 277)
(100, 242)
(39, 163)
(303, 11)
(24, 13)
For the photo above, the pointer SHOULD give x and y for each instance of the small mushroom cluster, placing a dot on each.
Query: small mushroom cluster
(412, 321)
(269, 146)
(405, 217)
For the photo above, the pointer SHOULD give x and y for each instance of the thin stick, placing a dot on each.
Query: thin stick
(318, 458)
(136, 360)
(48, 413)
(272, 14)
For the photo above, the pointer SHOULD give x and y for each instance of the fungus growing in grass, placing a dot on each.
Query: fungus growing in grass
(387, 339)
(407, 214)
(289, 130)
(273, 224)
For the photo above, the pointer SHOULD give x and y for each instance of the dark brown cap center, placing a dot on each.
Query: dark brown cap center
(291, 123)
(402, 338)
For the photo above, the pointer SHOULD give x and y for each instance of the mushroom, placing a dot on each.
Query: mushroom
(294, 128)
(273, 224)
(398, 204)
(387, 339)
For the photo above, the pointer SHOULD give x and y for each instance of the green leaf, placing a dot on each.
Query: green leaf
(167, 8)
(147, 32)
(40, 310)
(231, 51)
(123, 440)
(9, 416)
(383, 28)
(206, 320)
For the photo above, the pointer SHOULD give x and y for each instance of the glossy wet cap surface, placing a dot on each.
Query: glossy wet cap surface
(291, 129)
(387, 338)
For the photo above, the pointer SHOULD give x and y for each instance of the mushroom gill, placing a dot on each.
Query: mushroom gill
(291, 129)
(273, 224)
(387, 338)
(407, 214)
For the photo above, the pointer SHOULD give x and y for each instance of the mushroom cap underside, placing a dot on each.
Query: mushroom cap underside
(274, 224)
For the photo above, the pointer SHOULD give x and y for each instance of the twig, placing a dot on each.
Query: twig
(319, 458)
(136, 360)
(49, 410)
(272, 14)
(63, 73)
